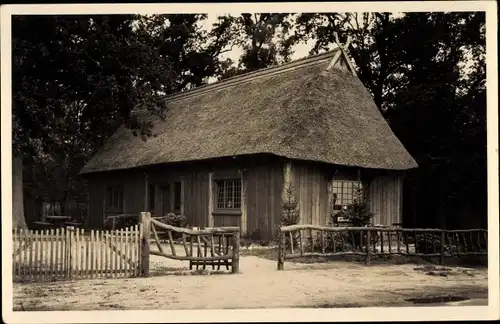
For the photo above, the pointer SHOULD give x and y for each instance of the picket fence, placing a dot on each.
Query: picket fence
(76, 253)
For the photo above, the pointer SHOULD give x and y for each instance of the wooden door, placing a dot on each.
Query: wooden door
(165, 200)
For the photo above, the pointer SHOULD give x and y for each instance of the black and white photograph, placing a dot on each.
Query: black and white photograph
(266, 157)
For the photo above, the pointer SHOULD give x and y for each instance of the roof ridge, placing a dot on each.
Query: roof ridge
(302, 62)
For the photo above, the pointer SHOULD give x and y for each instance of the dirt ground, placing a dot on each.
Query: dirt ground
(259, 285)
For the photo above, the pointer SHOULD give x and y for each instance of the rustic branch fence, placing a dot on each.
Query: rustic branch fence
(215, 247)
(297, 241)
(75, 253)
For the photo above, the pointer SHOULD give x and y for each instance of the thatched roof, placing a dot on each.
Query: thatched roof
(298, 110)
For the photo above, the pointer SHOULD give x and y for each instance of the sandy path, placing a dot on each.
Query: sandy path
(336, 284)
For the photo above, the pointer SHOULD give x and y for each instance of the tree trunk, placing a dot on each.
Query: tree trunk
(18, 218)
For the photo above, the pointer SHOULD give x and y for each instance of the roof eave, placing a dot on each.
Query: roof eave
(85, 172)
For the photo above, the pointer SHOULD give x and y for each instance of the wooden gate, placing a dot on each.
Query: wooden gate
(75, 253)
(213, 247)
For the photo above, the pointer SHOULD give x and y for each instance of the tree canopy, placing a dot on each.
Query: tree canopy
(77, 78)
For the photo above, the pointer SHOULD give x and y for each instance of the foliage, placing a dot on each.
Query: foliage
(290, 213)
(193, 53)
(264, 38)
(176, 220)
(357, 214)
(77, 78)
(428, 243)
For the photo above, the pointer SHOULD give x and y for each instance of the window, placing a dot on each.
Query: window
(114, 198)
(344, 193)
(228, 194)
(151, 196)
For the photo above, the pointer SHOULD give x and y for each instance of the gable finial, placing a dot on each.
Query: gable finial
(342, 52)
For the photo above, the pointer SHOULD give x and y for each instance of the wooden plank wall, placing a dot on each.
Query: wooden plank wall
(134, 189)
(311, 188)
(385, 199)
(264, 189)
(196, 197)
(227, 220)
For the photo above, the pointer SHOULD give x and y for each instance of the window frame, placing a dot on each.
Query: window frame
(115, 189)
(355, 184)
(235, 196)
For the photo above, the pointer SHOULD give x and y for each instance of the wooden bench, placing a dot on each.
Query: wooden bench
(213, 264)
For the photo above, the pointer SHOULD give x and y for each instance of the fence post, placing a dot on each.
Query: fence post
(368, 241)
(146, 228)
(442, 248)
(235, 266)
(281, 250)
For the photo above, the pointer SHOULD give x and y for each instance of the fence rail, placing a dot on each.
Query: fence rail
(297, 241)
(75, 253)
(215, 247)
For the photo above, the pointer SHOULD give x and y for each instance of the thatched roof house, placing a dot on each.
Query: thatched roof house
(307, 119)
